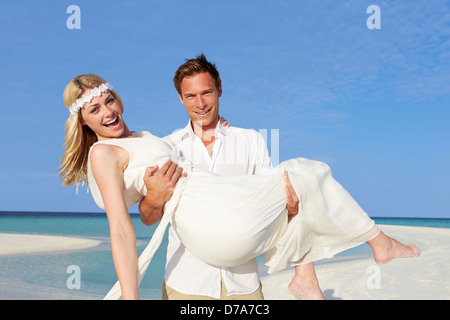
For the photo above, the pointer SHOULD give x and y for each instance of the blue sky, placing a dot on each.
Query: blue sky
(372, 103)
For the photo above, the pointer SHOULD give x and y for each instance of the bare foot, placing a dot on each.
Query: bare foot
(386, 249)
(304, 285)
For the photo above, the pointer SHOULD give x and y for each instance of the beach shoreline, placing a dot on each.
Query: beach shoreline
(352, 277)
(421, 278)
(16, 244)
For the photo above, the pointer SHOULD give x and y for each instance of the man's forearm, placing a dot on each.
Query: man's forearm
(151, 213)
(160, 186)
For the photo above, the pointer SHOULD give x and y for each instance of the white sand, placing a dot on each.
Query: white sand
(25, 243)
(422, 278)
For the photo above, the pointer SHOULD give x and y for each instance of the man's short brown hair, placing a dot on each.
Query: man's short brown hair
(193, 67)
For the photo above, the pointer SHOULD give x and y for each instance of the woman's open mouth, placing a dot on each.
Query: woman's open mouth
(113, 124)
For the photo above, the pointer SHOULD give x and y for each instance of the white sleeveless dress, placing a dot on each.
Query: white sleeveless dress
(226, 221)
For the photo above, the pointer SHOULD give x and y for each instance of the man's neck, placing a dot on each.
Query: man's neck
(205, 133)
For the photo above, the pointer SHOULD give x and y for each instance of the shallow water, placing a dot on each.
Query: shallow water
(49, 275)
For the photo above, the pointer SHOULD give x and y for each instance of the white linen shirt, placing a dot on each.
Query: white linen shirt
(236, 151)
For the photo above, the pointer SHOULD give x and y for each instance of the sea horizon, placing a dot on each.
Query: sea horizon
(434, 222)
(99, 213)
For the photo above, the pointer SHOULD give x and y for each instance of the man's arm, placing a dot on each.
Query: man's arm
(292, 204)
(160, 187)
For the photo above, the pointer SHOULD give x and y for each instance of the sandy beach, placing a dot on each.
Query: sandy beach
(423, 278)
(27, 273)
(341, 278)
(26, 244)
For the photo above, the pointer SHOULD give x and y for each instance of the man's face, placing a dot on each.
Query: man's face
(201, 99)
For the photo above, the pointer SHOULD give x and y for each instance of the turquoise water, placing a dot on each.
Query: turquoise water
(42, 276)
(48, 272)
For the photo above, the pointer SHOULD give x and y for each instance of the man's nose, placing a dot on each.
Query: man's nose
(201, 102)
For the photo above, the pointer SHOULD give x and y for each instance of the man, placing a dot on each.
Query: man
(219, 149)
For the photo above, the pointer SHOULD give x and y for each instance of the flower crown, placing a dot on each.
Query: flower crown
(87, 97)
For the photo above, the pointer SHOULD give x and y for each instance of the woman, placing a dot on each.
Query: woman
(103, 152)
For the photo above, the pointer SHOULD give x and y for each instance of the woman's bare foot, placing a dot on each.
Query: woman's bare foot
(304, 285)
(386, 249)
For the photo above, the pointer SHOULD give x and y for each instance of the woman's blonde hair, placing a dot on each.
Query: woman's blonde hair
(78, 139)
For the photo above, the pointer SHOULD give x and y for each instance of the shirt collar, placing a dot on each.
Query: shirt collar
(221, 129)
(189, 132)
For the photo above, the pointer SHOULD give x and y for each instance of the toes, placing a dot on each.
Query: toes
(415, 250)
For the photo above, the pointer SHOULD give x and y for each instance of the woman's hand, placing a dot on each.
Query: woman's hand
(224, 122)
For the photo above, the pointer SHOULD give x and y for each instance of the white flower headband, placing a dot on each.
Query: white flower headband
(87, 97)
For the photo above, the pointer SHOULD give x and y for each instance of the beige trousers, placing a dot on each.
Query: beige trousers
(171, 294)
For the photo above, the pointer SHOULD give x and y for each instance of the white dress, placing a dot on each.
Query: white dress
(249, 216)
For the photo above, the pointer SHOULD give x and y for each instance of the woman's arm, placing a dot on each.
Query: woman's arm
(108, 163)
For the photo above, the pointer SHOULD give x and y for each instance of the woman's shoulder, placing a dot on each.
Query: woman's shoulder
(102, 149)
(104, 154)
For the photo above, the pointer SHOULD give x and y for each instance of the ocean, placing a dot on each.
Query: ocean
(48, 275)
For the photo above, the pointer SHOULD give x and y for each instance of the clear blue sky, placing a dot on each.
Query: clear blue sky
(372, 103)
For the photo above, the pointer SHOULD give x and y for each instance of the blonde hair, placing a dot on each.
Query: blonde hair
(78, 139)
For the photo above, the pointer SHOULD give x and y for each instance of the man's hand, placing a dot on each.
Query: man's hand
(291, 197)
(160, 188)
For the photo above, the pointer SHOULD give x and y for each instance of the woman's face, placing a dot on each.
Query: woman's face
(104, 116)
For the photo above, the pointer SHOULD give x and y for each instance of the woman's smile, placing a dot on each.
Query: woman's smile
(113, 124)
